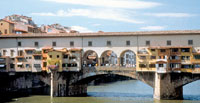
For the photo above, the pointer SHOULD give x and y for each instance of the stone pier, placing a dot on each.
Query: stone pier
(165, 88)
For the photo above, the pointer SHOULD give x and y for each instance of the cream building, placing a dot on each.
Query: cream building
(119, 44)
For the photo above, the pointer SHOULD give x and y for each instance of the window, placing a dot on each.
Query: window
(20, 59)
(63, 65)
(36, 44)
(54, 43)
(185, 50)
(30, 57)
(190, 42)
(44, 64)
(142, 65)
(19, 43)
(27, 65)
(20, 52)
(153, 50)
(174, 57)
(29, 52)
(12, 66)
(162, 50)
(12, 53)
(196, 56)
(174, 65)
(37, 57)
(174, 49)
(20, 66)
(37, 65)
(50, 56)
(185, 57)
(6, 31)
(58, 56)
(128, 43)
(153, 57)
(186, 66)
(197, 66)
(2, 59)
(152, 65)
(71, 43)
(142, 57)
(168, 42)
(89, 43)
(161, 65)
(108, 43)
(65, 56)
(4, 52)
(148, 43)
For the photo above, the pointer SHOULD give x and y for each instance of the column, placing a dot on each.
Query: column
(165, 89)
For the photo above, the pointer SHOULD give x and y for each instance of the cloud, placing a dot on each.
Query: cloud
(96, 24)
(106, 14)
(131, 4)
(177, 15)
(152, 28)
(81, 29)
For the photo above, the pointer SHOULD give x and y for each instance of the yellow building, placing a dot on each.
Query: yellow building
(6, 27)
(54, 58)
(168, 59)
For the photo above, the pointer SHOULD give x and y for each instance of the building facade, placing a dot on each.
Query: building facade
(161, 51)
(6, 27)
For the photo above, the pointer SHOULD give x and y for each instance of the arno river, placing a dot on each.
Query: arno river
(130, 91)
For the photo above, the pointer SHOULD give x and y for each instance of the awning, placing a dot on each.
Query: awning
(2, 65)
(19, 63)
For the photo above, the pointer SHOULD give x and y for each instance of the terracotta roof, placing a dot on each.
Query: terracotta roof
(47, 48)
(20, 30)
(19, 56)
(7, 21)
(75, 49)
(138, 33)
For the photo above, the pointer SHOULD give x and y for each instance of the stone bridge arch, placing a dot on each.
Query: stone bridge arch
(90, 74)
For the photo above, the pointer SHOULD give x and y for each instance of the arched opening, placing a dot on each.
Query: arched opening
(128, 59)
(191, 91)
(90, 59)
(114, 85)
(108, 58)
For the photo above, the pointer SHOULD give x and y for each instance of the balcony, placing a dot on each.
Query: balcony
(161, 70)
(185, 62)
(142, 52)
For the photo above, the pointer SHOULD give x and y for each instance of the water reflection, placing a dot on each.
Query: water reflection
(130, 91)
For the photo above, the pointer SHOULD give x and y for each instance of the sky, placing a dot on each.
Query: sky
(109, 15)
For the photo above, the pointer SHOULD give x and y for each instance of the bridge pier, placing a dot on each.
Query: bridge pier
(165, 88)
(62, 85)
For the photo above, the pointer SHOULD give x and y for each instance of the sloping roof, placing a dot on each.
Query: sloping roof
(7, 21)
(95, 34)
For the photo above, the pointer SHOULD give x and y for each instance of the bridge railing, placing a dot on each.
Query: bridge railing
(109, 69)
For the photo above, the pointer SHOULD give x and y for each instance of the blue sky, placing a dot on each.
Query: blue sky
(109, 15)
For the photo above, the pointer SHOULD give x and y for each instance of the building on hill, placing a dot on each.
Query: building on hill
(6, 27)
(55, 28)
(22, 24)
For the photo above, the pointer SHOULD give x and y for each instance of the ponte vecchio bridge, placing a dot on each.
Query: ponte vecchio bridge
(164, 60)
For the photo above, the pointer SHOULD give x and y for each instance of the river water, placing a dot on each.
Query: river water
(129, 91)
